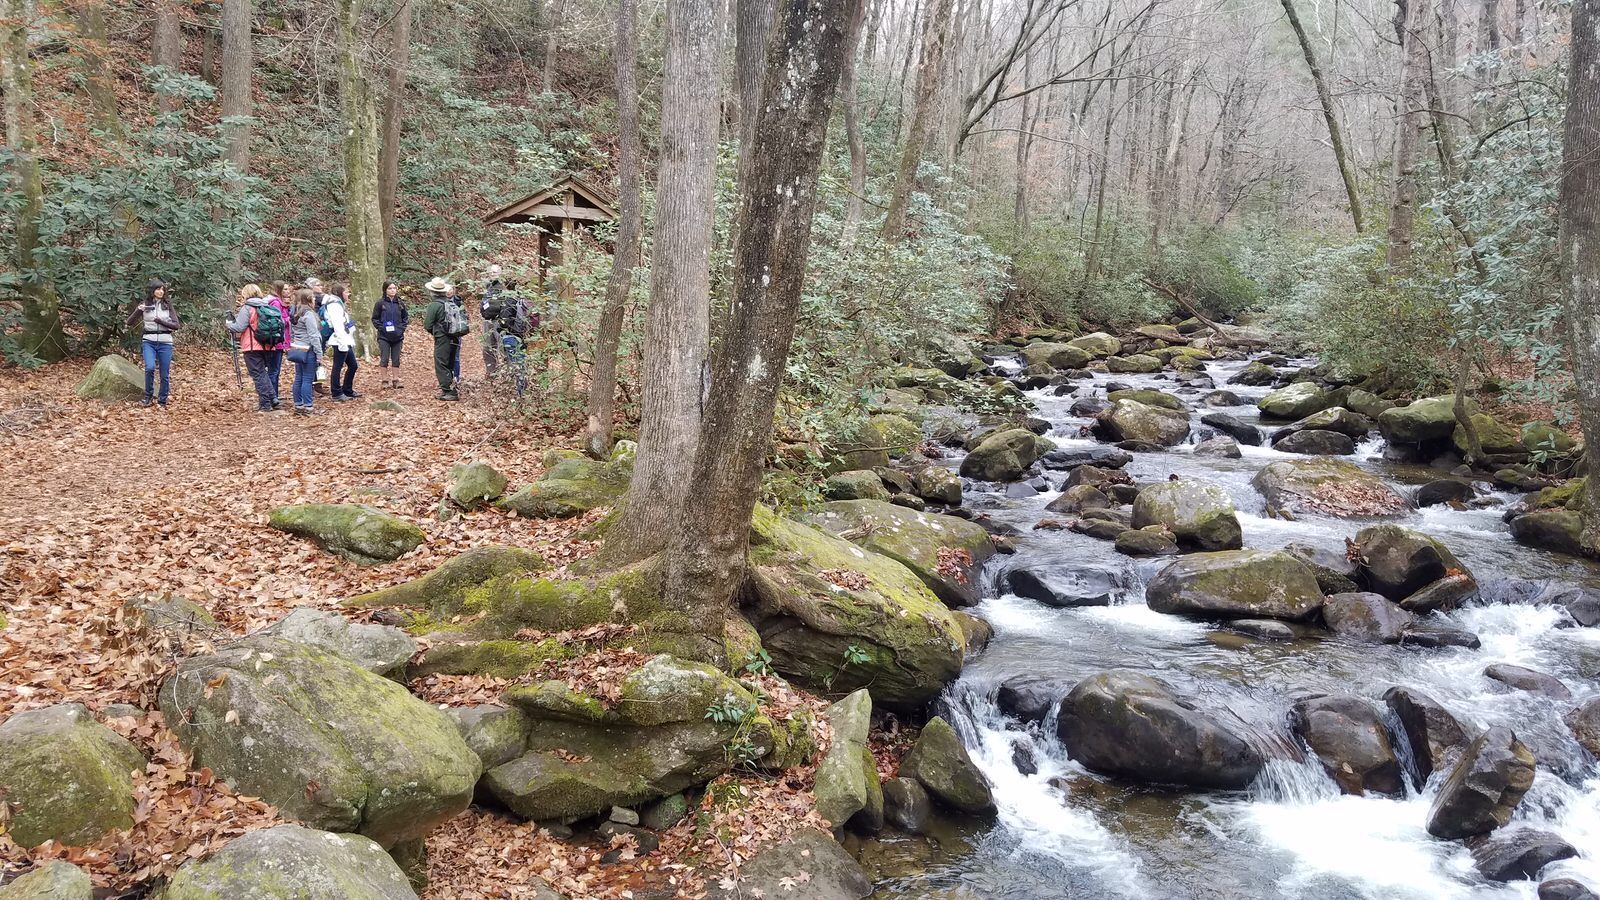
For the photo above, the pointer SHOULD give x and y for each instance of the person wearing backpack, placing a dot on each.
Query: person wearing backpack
(455, 303)
(339, 334)
(305, 346)
(389, 320)
(259, 328)
(516, 323)
(491, 307)
(158, 320)
(279, 299)
(446, 320)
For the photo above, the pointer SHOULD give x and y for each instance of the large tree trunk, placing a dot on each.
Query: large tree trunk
(1330, 114)
(166, 45)
(393, 113)
(930, 71)
(547, 77)
(364, 243)
(1413, 120)
(89, 18)
(753, 27)
(677, 329)
(856, 206)
(603, 377)
(42, 335)
(1579, 217)
(707, 558)
(236, 68)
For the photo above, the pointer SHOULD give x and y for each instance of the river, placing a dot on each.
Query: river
(1063, 831)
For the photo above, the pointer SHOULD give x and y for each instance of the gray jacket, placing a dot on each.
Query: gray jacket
(306, 331)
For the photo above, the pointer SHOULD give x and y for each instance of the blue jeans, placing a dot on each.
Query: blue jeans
(514, 360)
(157, 356)
(305, 375)
(274, 371)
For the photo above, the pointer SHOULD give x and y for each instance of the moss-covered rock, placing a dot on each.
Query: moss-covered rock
(380, 649)
(676, 724)
(112, 378)
(65, 776)
(495, 657)
(1130, 420)
(1560, 530)
(1005, 455)
(1199, 514)
(1494, 436)
(473, 484)
(847, 777)
(1161, 332)
(1422, 421)
(1295, 401)
(1366, 403)
(875, 442)
(321, 738)
(950, 354)
(836, 617)
(855, 484)
(1332, 487)
(914, 539)
(573, 485)
(1256, 374)
(1099, 344)
(1544, 437)
(289, 861)
(55, 880)
(1236, 584)
(1566, 495)
(1148, 398)
(1134, 364)
(355, 531)
(1056, 356)
(1334, 418)
(794, 741)
(497, 734)
(940, 762)
(810, 858)
(442, 592)
(1398, 562)
(936, 484)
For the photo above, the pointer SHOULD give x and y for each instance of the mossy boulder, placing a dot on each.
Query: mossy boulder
(810, 858)
(380, 649)
(847, 777)
(875, 442)
(1236, 584)
(291, 861)
(1134, 364)
(1148, 398)
(856, 484)
(497, 734)
(915, 540)
(1421, 421)
(358, 532)
(55, 880)
(473, 484)
(1544, 437)
(674, 724)
(1295, 401)
(1494, 436)
(1566, 495)
(442, 592)
(320, 738)
(1161, 332)
(937, 484)
(814, 597)
(65, 776)
(1005, 455)
(450, 654)
(1256, 374)
(1398, 562)
(570, 486)
(794, 742)
(1331, 487)
(1055, 356)
(1366, 403)
(1560, 530)
(940, 762)
(1334, 418)
(112, 378)
(1130, 420)
(1098, 344)
(950, 354)
(1200, 515)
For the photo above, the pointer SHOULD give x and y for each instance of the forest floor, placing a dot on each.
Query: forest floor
(110, 504)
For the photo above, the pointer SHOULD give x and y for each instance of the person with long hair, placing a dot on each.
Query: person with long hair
(341, 341)
(255, 316)
(279, 298)
(157, 320)
(305, 346)
(389, 320)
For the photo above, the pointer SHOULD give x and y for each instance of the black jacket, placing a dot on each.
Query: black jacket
(392, 311)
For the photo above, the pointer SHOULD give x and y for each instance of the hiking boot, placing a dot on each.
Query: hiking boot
(277, 404)
(352, 395)
(145, 402)
(342, 398)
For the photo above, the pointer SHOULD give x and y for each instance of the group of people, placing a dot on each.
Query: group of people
(311, 326)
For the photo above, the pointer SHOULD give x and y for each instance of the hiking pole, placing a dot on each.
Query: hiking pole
(233, 345)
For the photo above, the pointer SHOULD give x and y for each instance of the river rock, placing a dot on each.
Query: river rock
(1199, 514)
(855, 484)
(1445, 594)
(809, 858)
(474, 484)
(1366, 403)
(1350, 740)
(1519, 854)
(1524, 679)
(1315, 443)
(1134, 364)
(571, 485)
(1397, 562)
(1294, 402)
(1236, 584)
(937, 484)
(1131, 726)
(1495, 437)
(381, 649)
(1029, 698)
(1089, 407)
(1435, 736)
(1324, 485)
(272, 716)
(1423, 421)
(360, 533)
(848, 790)
(1099, 344)
(1219, 448)
(1336, 419)
(1565, 889)
(1256, 374)
(291, 861)
(1559, 530)
(906, 804)
(880, 438)
(1263, 630)
(1484, 786)
(1221, 398)
(1234, 427)
(1584, 721)
(1367, 617)
(65, 776)
(1443, 490)
(944, 551)
(1148, 398)
(1078, 498)
(1005, 455)
(1151, 540)
(1072, 457)
(55, 880)
(1055, 356)
(1067, 585)
(940, 762)
(1433, 636)
(1130, 420)
(112, 378)
(1095, 476)
(950, 354)
(1334, 571)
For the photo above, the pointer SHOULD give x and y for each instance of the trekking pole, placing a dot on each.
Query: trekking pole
(233, 345)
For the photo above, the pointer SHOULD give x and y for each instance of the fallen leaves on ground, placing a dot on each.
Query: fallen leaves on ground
(1342, 498)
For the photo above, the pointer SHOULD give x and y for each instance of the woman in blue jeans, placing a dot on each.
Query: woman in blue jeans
(157, 320)
(305, 346)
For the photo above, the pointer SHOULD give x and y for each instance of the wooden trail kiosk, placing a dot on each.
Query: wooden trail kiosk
(558, 212)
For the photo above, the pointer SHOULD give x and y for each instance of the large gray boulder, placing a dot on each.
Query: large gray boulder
(1099, 344)
(1296, 401)
(54, 880)
(473, 484)
(1130, 420)
(360, 533)
(1132, 726)
(1350, 740)
(940, 762)
(1522, 853)
(1398, 562)
(1420, 422)
(1005, 455)
(1198, 513)
(112, 378)
(809, 859)
(321, 738)
(381, 649)
(1483, 787)
(936, 484)
(291, 861)
(1327, 486)
(1055, 356)
(1236, 584)
(1234, 427)
(65, 776)
(1367, 617)
(1584, 722)
(1435, 736)
(944, 551)
(573, 484)
(1336, 419)
(497, 734)
(847, 787)
(1312, 442)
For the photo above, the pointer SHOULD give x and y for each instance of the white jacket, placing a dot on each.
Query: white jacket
(344, 336)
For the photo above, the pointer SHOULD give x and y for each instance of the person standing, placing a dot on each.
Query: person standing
(445, 319)
(259, 328)
(158, 320)
(279, 299)
(491, 307)
(305, 346)
(339, 334)
(320, 297)
(456, 303)
(389, 320)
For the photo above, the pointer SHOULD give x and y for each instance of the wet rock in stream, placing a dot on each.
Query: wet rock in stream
(1436, 737)
(1349, 738)
(1236, 584)
(1484, 786)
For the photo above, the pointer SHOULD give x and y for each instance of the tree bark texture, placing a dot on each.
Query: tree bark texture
(678, 325)
(849, 90)
(166, 45)
(752, 28)
(89, 18)
(1413, 121)
(364, 244)
(1579, 218)
(547, 77)
(42, 335)
(393, 115)
(707, 557)
(603, 377)
(236, 68)
(1330, 114)
(930, 71)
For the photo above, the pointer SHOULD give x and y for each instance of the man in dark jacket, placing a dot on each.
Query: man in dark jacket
(491, 307)
(446, 345)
